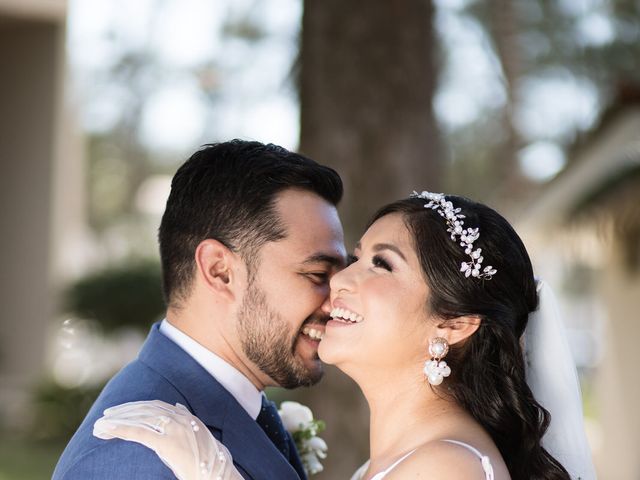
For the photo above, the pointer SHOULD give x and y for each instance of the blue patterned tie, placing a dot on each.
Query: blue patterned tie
(269, 420)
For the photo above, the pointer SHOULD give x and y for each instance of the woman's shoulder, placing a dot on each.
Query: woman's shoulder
(445, 459)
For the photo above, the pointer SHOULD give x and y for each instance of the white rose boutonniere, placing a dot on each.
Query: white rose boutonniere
(299, 422)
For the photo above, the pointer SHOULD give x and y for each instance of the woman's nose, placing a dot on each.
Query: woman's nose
(326, 306)
(339, 282)
(342, 281)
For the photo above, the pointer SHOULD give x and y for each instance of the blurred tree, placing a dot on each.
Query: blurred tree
(59, 411)
(596, 45)
(118, 160)
(126, 295)
(367, 79)
(504, 28)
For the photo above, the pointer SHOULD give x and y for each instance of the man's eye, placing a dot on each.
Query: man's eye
(380, 262)
(351, 259)
(319, 278)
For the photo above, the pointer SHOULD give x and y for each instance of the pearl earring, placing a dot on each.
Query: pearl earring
(435, 370)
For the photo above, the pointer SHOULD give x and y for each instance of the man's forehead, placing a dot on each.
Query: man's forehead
(295, 204)
(305, 214)
(313, 232)
(313, 245)
(297, 254)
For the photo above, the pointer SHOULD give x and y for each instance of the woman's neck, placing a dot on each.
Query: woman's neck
(404, 414)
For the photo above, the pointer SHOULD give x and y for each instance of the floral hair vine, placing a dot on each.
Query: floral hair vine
(455, 224)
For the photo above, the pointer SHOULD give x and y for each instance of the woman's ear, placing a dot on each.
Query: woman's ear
(458, 329)
(217, 268)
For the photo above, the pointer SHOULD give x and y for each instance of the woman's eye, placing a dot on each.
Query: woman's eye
(378, 261)
(351, 259)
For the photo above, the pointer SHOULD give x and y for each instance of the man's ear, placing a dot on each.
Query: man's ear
(459, 329)
(217, 268)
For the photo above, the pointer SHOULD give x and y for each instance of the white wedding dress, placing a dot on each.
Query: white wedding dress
(485, 463)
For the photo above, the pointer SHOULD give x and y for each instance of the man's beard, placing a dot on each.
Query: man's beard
(265, 340)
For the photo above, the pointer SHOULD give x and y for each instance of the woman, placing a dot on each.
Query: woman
(432, 277)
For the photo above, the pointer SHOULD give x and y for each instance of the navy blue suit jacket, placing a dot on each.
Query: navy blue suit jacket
(163, 371)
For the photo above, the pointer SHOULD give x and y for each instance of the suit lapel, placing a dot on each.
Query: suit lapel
(256, 453)
(294, 459)
(217, 408)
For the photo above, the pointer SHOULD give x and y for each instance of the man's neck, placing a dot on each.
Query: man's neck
(213, 338)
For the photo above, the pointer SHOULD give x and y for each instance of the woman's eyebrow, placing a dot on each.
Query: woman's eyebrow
(384, 246)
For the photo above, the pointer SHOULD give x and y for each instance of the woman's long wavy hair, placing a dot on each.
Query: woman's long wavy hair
(488, 370)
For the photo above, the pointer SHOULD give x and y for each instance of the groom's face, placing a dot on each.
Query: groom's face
(281, 319)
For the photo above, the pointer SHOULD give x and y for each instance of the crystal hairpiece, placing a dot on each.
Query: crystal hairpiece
(468, 236)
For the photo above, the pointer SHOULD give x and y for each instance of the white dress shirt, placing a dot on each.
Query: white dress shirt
(239, 386)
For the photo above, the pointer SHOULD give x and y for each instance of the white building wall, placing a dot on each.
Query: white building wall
(40, 182)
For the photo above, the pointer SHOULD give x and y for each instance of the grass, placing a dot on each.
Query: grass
(22, 459)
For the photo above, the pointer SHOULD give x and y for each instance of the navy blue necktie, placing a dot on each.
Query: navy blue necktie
(269, 420)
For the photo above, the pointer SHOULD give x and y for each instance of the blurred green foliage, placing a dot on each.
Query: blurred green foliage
(59, 411)
(126, 295)
(22, 459)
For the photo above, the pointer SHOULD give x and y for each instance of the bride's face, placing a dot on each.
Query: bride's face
(384, 294)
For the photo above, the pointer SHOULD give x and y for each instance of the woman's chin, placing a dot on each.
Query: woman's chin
(333, 351)
(325, 353)
(330, 352)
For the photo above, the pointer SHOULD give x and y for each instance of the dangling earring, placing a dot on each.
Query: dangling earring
(435, 369)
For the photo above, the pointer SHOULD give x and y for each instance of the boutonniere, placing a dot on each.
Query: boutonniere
(299, 422)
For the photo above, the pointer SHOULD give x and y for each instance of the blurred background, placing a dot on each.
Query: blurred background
(531, 106)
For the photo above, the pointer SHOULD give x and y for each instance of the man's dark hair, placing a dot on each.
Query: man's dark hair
(227, 191)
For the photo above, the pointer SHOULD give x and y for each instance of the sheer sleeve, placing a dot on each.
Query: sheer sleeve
(180, 439)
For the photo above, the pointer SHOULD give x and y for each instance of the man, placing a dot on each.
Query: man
(248, 241)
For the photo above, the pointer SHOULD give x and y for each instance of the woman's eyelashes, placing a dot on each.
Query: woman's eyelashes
(377, 261)
(380, 262)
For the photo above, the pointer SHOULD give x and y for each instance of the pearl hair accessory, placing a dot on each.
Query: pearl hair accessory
(435, 370)
(439, 203)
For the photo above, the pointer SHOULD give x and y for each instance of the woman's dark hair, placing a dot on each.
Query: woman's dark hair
(488, 370)
(227, 191)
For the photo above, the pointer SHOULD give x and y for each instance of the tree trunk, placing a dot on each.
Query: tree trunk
(367, 81)
(510, 183)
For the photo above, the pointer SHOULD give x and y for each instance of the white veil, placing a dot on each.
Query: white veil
(553, 379)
